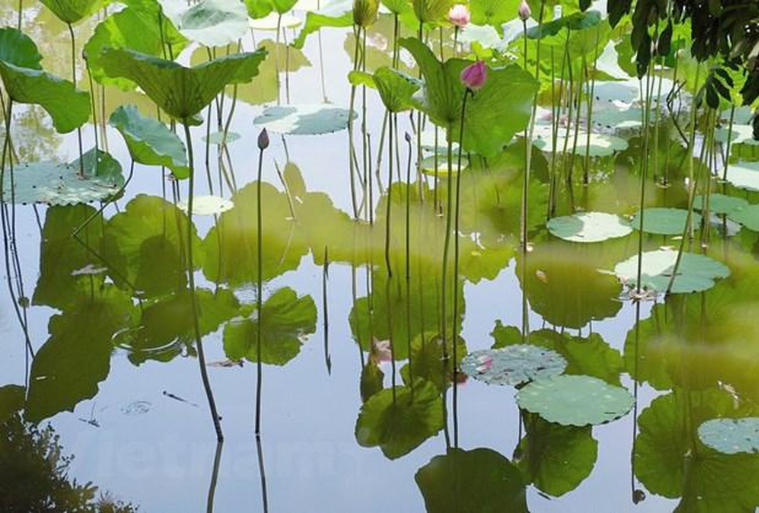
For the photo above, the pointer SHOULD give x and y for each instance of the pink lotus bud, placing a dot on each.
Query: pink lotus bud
(474, 75)
(524, 11)
(459, 15)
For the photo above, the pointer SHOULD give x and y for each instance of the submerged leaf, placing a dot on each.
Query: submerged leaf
(589, 227)
(731, 436)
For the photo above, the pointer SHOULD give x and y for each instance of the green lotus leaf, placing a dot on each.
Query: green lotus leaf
(430, 362)
(589, 356)
(598, 145)
(73, 361)
(18, 49)
(747, 216)
(431, 11)
(220, 138)
(720, 204)
(336, 14)
(493, 12)
(286, 321)
(494, 114)
(208, 22)
(68, 107)
(556, 458)
(149, 141)
(694, 274)
(731, 436)
(303, 119)
(72, 11)
(480, 480)
(589, 227)
(61, 184)
(664, 221)
(181, 92)
(513, 365)
(372, 379)
(135, 27)
(575, 400)
(398, 421)
(575, 22)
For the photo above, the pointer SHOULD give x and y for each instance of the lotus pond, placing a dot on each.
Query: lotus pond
(358, 256)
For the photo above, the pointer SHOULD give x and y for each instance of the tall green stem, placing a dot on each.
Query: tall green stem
(73, 80)
(259, 292)
(191, 281)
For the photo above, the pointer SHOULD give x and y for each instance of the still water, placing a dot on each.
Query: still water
(116, 376)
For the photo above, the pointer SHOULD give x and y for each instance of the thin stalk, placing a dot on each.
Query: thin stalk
(643, 175)
(389, 200)
(193, 298)
(351, 146)
(590, 99)
(73, 80)
(259, 292)
(727, 148)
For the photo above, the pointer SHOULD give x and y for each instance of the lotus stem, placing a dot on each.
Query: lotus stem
(389, 201)
(193, 298)
(259, 291)
(73, 80)
(727, 148)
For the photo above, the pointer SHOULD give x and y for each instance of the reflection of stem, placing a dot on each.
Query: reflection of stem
(259, 292)
(276, 58)
(214, 477)
(389, 200)
(191, 280)
(408, 263)
(73, 80)
(325, 307)
(262, 472)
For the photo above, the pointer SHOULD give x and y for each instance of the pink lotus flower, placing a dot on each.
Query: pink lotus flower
(524, 11)
(474, 75)
(459, 15)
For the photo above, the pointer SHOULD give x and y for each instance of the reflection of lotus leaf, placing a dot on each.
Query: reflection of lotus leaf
(589, 227)
(399, 421)
(694, 274)
(480, 480)
(513, 365)
(575, 400)
(303, 119)
(665, 221)
(731, 436)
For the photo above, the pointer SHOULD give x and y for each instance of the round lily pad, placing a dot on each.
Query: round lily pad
(720, 203)
(575, 400)
(744, 175)
(589, 227)
(303, 119)
(664, 221)
(513, 365)
(731, 436)
(747, 216)
(207, 205)
(271, 22)
(694, 274)
(219, 138)
(601, 145)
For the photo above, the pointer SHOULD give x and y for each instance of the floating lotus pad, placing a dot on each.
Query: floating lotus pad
(601, 145)
(748, 217)
(272, 21)
(695, 272)
(731, 436)
(428, 165)
(664, 221)
(740, 134)
(589, 227)
(744, 175)
(513, 365)
(720, 203)
(52, 183)
(575, 400)
(207, 205)
(303, 119)
(221, 138)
